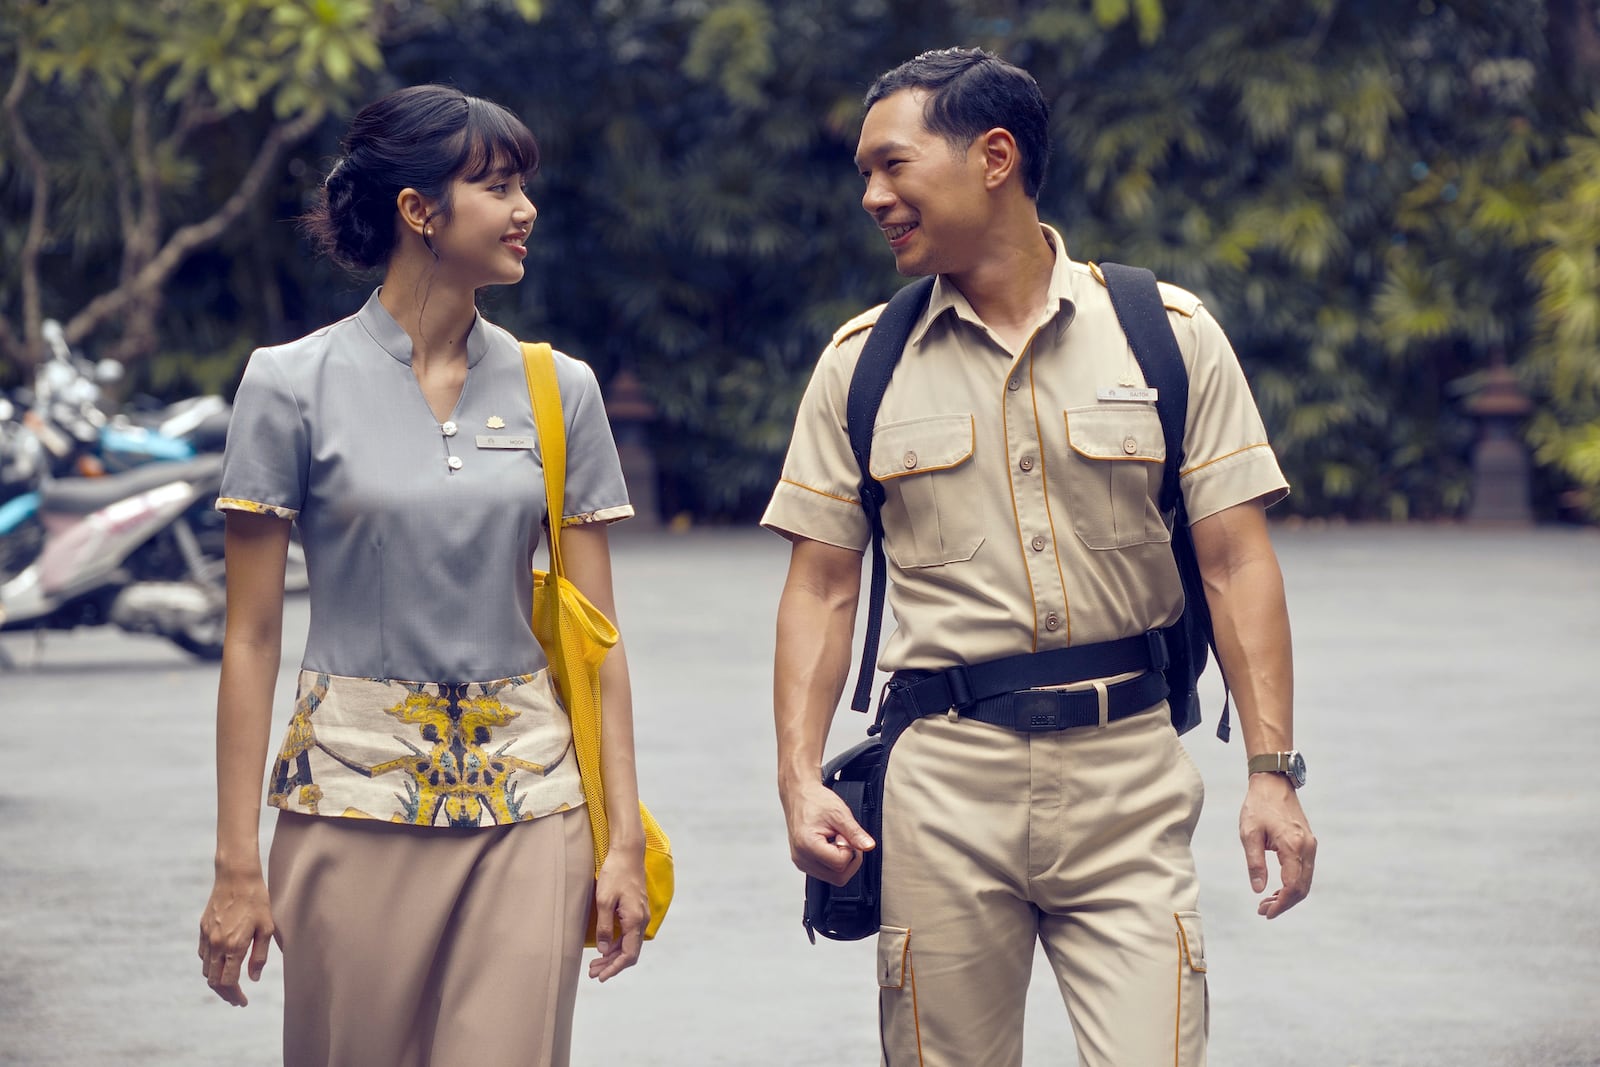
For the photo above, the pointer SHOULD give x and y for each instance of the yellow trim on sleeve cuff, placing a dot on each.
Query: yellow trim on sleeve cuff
(606, 515)
(253, 507)
(821, 492)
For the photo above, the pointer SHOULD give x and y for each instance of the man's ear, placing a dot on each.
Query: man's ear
(1001, 156)
(414, 208)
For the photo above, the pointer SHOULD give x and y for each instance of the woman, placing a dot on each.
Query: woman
(431, 872)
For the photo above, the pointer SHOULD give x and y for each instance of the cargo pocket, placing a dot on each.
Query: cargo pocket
(1114, 475)
(898, 1028)
(925, 467)
(1194, 1002)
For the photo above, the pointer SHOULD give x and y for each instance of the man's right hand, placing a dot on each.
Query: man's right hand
(825, 841)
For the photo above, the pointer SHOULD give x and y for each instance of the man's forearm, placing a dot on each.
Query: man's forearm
(816, 625)
(1250, 618)
(1250, 621)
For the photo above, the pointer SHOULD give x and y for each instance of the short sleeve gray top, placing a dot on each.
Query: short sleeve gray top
(419, 535)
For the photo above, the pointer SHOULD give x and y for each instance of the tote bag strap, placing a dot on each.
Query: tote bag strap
(539, 366)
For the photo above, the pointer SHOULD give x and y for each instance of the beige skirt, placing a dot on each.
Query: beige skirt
(420, 947)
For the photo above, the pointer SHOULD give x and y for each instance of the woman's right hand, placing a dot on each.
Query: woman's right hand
(236, 925)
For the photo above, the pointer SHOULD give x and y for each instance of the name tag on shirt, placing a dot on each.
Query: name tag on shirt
(1126, 392)
(486, 440)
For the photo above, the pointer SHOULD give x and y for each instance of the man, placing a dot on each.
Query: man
(1021, 517)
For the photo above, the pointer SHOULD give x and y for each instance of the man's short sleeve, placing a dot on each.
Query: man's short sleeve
(819, 494)
(1227, 459)
(595, 489)
(265, 465)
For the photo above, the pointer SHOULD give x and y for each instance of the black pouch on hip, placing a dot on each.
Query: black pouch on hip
(850, 912)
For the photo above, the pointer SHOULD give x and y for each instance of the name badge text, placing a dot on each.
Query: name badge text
(486, 440)
(1125, 392)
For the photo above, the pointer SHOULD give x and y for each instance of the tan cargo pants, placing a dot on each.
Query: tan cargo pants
(1079, 839)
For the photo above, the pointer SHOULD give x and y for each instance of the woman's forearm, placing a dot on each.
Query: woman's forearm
(252, 649)
(244, 721)
(617, 764)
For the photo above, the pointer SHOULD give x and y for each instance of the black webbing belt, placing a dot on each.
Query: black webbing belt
(1002, 691)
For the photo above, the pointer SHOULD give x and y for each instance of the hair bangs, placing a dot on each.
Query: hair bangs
(494, 141)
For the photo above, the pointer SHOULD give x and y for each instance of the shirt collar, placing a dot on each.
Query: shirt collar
(947, 298)
(393, 339)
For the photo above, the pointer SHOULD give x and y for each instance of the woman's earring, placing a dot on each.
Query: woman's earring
(427, 231)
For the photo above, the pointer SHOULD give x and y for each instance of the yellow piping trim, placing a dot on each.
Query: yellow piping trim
(1177, 1014)
(820, 492)
(916, 1013)
(1066, 418)
(1011, 483)
(972, 445)
(1219, 459)
(1124, 458)
(1184, 935)
(1055, 541)
(922, 470)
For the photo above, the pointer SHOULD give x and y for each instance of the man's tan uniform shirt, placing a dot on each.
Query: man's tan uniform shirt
(1022, 489)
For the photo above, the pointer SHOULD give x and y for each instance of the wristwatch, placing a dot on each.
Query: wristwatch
(1290, 764)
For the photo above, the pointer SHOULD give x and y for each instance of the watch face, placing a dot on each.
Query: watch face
(1297, 769)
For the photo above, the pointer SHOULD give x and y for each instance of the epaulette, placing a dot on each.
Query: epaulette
(1173, 298)
(864, 321)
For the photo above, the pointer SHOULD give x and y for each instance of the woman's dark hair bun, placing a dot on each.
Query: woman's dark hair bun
(347, 227)
(421, 138)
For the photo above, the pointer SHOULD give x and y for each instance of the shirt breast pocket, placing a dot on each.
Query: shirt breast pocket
(1115, 460)
(925, 465)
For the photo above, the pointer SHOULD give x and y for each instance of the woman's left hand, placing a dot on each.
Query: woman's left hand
(623, 907)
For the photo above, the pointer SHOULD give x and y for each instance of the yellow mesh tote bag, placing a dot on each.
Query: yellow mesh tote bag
(576, 636)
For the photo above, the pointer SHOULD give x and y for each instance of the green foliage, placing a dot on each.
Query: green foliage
(227, 55)
(1377, 200)
(732, 47)
(137, 133)
(1563, 361)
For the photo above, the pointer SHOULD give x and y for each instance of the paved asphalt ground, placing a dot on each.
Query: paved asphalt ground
(1449, 704)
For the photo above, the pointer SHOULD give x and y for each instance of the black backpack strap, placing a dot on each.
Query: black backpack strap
(1143, 316)
(871, 379)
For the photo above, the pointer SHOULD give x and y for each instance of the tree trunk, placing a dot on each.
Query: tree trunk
(1573, 32)
(28, 349)
(140, 294)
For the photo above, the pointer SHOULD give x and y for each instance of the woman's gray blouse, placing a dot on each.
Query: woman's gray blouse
(419, 535)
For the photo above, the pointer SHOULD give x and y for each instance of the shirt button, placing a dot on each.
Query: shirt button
(1014, 384)
(448, 429)
(1052, 622)
(454, 463)
(1026, 463)
(1129, 445)
(1039, 543)
(910, 460)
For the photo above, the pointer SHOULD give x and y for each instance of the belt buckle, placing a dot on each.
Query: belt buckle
(1037, 710)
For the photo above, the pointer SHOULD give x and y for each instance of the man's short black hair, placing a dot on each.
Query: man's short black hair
(970, 93)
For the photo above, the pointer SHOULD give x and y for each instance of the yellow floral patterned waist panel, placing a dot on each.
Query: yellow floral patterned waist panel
(427, 753)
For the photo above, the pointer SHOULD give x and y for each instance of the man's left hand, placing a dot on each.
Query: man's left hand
(1271, 821)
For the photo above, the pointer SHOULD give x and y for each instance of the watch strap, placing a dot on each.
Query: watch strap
(1270, 763)
(1290, 764)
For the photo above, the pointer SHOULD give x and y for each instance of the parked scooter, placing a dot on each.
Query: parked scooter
(121, 550)
(74, 436)
(24, 459)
